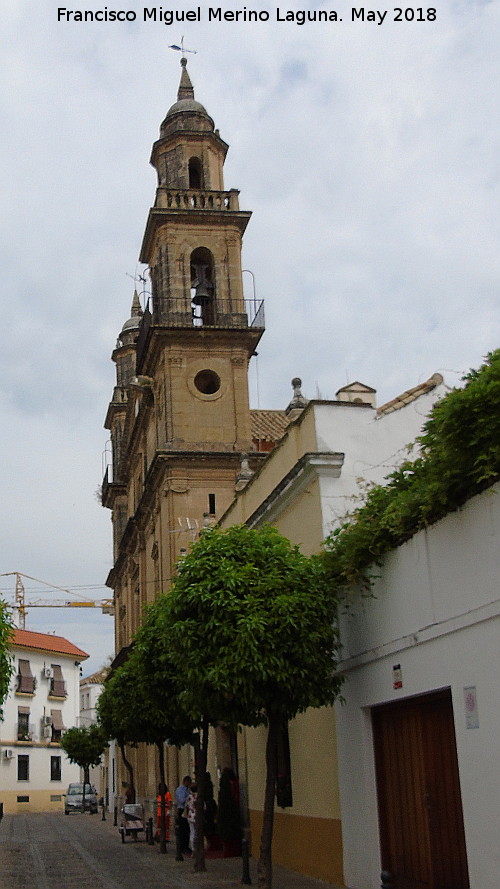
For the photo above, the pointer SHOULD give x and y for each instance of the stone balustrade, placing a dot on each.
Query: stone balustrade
(196, 199)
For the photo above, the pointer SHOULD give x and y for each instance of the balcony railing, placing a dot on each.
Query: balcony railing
(25, 684)
(57, 688)
(196, 199)
(214, 314)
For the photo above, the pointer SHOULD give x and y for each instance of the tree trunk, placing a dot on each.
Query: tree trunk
(265, 865)
(86, 780)
(163, 803)
(200, 775)
(130, 771)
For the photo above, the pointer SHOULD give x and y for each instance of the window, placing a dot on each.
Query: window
(25, 678)
(23, 768)
(55, 768)
(202, 287)
(57, 725)
(23, 723)
(211, 504)
(208, 383)
(195, 173)
(57, 684)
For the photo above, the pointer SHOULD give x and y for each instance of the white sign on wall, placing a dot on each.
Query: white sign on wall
(471, 711)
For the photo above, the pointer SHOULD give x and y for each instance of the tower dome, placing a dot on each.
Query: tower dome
(186, 113)
(131, 326)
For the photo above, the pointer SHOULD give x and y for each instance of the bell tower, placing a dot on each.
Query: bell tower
(180, 418)
(197, 325)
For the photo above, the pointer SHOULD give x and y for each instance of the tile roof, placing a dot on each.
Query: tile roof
(47, 642)
(410, 395)
(95, 678)
(268, 425)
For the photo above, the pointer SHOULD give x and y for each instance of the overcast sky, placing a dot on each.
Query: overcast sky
(369, 155)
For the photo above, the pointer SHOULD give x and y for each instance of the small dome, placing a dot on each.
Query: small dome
(136, 314)
(187, 105)
(131, 324)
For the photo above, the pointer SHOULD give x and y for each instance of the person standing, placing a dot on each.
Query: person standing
(181, 795)
(163, 793)
(191, 814)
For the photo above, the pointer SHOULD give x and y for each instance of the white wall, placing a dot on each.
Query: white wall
(436, 612)
(373, 445)
(39, 749)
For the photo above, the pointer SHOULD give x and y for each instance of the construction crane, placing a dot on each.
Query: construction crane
(21, 606)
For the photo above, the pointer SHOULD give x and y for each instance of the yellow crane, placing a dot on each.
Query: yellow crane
(21, 606)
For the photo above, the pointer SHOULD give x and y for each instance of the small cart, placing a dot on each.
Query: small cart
(132, 821)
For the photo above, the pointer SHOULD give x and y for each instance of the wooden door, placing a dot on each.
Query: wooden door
(420, 807)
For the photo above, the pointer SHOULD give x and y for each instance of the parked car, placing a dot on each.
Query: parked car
(74, 799)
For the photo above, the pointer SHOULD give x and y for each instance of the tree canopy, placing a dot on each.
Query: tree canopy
(255, 622)
(6, 632)
(85, 746)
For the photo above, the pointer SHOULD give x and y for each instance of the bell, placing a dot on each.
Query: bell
(201, 295)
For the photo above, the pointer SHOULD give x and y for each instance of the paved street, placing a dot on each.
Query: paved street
(42, 851)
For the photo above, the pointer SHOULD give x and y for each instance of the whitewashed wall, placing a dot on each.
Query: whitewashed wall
(436, 612)
(39, 787)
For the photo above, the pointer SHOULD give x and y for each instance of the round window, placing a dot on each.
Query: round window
(207, 382)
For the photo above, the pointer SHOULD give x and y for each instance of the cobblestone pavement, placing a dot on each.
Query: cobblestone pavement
(51, 851)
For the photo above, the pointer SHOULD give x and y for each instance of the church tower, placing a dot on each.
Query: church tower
(179, 419)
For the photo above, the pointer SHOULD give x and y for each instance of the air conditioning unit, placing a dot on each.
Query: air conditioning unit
(8, 754)
(47, 732)
(46, 720)
(48, 673)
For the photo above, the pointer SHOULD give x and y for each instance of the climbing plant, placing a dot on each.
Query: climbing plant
(459, 456)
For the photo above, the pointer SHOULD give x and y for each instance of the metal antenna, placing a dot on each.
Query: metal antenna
(181, 48)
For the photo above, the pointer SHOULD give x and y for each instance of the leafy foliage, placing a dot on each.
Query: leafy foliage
(6, 667)
(254, 621)
(459, 457)
(85, 746)
(138, 705)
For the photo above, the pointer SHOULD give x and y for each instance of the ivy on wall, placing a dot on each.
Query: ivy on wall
(459, 456)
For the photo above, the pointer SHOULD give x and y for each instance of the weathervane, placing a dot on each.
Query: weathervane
(181, 48)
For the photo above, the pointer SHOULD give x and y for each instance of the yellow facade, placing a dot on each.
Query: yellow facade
(39, 801)
(308, 835)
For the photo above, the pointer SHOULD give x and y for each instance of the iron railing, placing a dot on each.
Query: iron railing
(213, 314)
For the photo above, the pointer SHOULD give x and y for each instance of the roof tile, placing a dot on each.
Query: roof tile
(268, 425)
(47, 642)
(410, 395)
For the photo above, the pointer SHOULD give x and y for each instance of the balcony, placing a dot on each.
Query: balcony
(26, 684)
(218, 314)
(197, 199)
(57, 688)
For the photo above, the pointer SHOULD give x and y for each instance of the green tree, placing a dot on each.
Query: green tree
(255, 622)
(6, 633)
(116, 714)
(84, 746)
(138, 705)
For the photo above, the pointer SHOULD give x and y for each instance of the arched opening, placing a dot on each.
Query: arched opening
(202, 287)
(195, 173)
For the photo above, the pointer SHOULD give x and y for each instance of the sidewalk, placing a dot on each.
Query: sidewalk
(221, 873)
